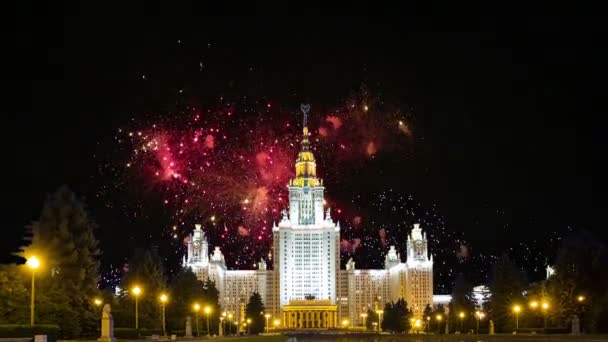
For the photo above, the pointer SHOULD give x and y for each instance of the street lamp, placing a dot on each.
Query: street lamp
(345, 323)
(136, 291)
(461, 315)
(230, 323)
(221, 328)
(248, 326)
(438, 318)
(428, 324)
(479, 315)
(196, 308)
(207, 312)
(222, 320)
(276, 323)
(380, 312)
(33, 263)
(545, 307)
(580, 298)
(533, 304)
(516, 310)
(267, 316)
(163, 300)
(364, 316)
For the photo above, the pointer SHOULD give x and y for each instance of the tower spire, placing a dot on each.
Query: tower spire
(305, 108)
(306, 167)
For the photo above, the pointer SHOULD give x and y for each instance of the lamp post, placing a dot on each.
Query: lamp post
(230, 323)
(380, 312)
(276, 323)
(364, 316)
(581, 301)
(438, 317)
(207, 312)
(428, 325)
(267, 316)
(33, 263)
(461, 315)
(221, 327)
(516, 310)
(136, 292)
(479, 315)
(197, 308)
(545, 307)
(163, 300)
(223, 321)
(248, 326)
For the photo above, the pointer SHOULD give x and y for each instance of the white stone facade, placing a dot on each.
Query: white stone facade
(306, 261)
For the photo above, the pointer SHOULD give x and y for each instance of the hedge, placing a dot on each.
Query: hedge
(133, 334)
(25, 330)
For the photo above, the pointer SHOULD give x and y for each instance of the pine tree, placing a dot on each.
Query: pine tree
(11, 246)
(184, 290)
(462, 302)
(439, 318)
(507, 285)
(255, 311)
(212, 298)
(146, 271)
(396, 317)
(14, 296)
(372, 317)
(64, 238)
(580, 269)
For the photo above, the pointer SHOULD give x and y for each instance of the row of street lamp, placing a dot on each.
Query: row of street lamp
(33, 264)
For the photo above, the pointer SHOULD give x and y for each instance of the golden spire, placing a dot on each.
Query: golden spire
(306, 167)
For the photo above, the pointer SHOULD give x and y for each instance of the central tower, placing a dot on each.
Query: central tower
(306, 241)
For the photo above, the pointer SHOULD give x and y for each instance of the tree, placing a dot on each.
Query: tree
(428, 311)
(184, 291)
(580, 269)
(146, 271)
(372, 317)
(11, 246)
(462, 302)
(439, 318)
(507, 285)
(64, 239)
(255, 311)
(396, 316)
(212, 298)
(14, 296)
(427, 316)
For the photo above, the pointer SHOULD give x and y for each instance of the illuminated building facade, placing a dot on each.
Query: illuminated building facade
(306, 288)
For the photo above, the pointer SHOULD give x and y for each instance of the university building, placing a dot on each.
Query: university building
(306, 289)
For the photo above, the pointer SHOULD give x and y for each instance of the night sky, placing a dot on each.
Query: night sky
(504, 154)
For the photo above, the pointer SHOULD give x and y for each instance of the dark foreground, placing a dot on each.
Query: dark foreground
(405, 338)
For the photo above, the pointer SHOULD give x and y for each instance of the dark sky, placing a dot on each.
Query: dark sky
(510, 109)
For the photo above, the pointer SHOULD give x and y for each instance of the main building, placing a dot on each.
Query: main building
(306, 289)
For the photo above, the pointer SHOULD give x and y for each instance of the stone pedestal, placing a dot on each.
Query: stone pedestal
(107, 325)
(576, 325)
(188, 327)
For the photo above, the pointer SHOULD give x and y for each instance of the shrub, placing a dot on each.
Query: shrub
(134, 334)
(25, 330)
(126, 333)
